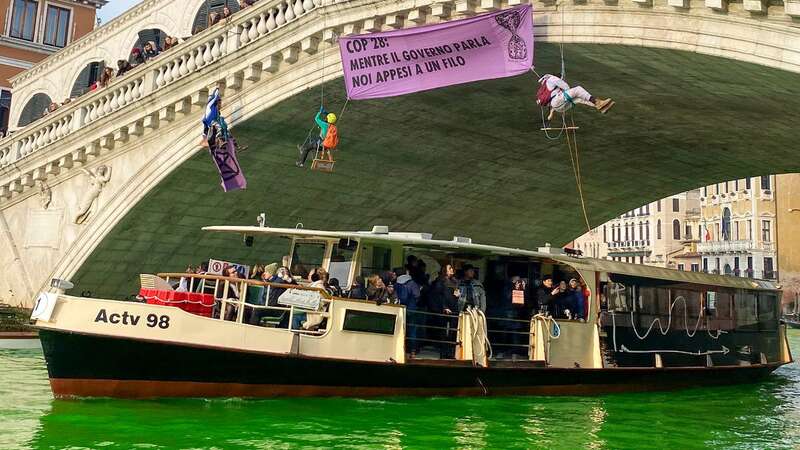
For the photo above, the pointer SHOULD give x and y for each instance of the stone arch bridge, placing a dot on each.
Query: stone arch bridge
(113, 184)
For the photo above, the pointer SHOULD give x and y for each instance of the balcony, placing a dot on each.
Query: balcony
(747, 273)
(734, 246)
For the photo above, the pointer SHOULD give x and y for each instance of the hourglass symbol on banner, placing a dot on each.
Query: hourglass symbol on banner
(510, 20)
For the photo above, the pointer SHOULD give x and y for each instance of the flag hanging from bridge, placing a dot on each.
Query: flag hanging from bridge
(493, 45)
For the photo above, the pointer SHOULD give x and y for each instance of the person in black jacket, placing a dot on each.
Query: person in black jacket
(357, 290)
(443, 299)
(544, 296)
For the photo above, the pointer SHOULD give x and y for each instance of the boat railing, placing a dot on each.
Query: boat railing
(234, 300)
(439, 330)
(508, 336)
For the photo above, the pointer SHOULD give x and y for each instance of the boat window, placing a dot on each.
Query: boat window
(767, 311)
(306, 256)
(746, 309)
(691, 300)
(618, 296)
(342, 260)
(368, 322)
(376, 260)
(720, 310)
(653, 300)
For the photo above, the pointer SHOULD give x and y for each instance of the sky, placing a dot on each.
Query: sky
(115, 8)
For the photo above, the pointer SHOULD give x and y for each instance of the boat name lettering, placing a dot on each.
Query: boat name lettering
(152, 320)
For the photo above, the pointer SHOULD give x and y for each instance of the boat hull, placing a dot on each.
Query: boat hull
(85, 365)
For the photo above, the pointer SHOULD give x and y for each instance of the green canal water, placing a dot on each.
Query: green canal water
(758, 416)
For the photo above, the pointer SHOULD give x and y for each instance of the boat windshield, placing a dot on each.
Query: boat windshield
(306, 256)
(341, 262)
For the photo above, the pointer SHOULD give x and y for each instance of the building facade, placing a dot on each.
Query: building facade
(739, 219)
(662, 233)
(33, 30)
(748, 227)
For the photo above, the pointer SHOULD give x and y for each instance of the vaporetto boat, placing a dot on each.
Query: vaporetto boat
(645, 328)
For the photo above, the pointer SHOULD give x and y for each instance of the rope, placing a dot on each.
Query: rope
(576, 169)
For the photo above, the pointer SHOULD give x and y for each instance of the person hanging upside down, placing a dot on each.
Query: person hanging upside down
(326, 122)
(215, 128)
(556, 93)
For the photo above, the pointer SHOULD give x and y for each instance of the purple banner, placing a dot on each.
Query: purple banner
(493, 45)
(228, 165)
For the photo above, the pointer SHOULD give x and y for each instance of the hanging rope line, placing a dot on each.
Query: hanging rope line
(564, 130)
(572, 147)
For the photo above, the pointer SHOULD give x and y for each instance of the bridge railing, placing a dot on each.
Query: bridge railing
(196, 54)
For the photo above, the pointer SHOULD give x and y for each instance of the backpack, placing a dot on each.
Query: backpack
(331, 138)
(543, 95)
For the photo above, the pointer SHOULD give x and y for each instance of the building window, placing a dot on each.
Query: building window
(726, 224)
(5, 109)
(676, 230)
(695, 267)
(765, 183)
(747, 183)
(647, 230)
(736, 185)
(658, 229)
(769, 271)
(23, 19)
(688, 232)
(705, 191)
(736, 230)
(681, 267)
(658, 206)
(750, 230)
(605, 235)
(56, 29)
(641, 231)
(718, 191)
(736, 265)
(705, 265)
(716, 265)
(676, 205)
(765, 231)
(627, 236)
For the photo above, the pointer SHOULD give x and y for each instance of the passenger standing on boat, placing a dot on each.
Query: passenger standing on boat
(443, 299)
(357, 290)
(545, 296)
(408, 293)
(472, 291)
(377, 291)
(265, 274)
(576, 300)
(517, 307)
(336, 290)
(232, 292)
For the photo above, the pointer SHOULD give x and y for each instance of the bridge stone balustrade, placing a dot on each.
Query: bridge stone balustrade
(146, 123)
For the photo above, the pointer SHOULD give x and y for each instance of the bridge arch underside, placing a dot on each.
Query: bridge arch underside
(470, 160)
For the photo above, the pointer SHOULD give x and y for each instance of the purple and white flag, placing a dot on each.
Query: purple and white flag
(493, 45)
(228, 165)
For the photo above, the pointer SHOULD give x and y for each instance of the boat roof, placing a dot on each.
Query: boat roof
(426, 241)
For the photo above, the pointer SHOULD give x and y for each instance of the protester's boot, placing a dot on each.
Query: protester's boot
(603, 105)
